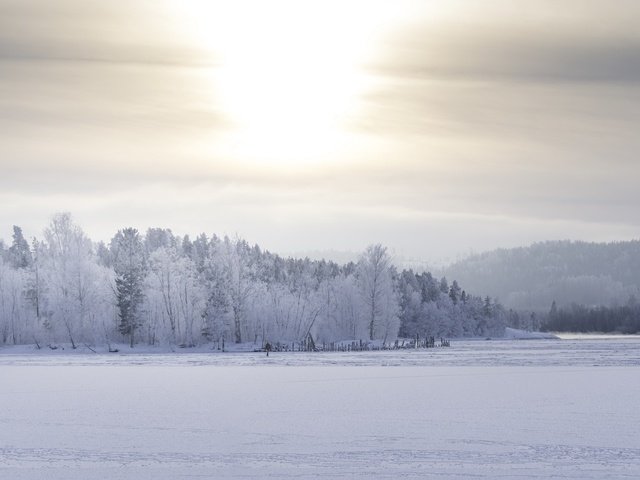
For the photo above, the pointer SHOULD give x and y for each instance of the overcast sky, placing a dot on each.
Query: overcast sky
(434, 127)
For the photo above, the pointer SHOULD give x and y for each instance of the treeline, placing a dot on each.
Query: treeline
(159, 288)
(579, 318)
(430, 305)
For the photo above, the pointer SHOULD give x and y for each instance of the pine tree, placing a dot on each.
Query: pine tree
(19, 252)
(444, 285)
(454, 292)
(130, 270)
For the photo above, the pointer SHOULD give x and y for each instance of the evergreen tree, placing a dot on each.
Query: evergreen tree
(130, 270)
(454, 292)
(19, 252)
(444, 285)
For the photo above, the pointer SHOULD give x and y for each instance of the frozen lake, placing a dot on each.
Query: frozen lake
(498, 409)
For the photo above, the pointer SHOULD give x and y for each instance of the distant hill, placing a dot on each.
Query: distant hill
(530, 278)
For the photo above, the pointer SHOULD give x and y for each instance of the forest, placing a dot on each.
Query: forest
(583, 319)
(157, 288)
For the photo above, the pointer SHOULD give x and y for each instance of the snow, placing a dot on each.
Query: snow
(515, 334)
(618, 351)
(494, 409)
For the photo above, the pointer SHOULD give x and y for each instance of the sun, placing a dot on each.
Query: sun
(289, 76)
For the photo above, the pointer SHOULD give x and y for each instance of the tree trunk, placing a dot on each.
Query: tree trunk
(372, 321)
(238, 333)
(66, 324)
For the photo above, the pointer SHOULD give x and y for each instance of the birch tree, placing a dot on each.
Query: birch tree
(376, 288)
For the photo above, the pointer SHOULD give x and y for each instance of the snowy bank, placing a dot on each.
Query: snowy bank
(515, 334)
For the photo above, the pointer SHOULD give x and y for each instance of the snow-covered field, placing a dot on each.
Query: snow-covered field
(480, 409)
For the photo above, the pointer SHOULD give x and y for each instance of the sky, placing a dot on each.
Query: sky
(437, 128)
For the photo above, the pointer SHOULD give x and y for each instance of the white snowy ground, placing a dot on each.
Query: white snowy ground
(507, 409)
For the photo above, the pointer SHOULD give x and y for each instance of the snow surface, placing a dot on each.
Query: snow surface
(622, 350)
(534, 409)
(515, 334)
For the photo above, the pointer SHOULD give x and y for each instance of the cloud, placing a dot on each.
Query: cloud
(547, 71)
(518, 114)
(572, 41)
(93, 31)
(511, 55)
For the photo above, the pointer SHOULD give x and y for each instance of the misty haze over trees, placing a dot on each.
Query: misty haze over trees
(532, 278)
(578, 318)
(158, 288)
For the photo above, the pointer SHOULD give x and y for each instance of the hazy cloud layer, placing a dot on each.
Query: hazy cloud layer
(92, 31)
(484, 125)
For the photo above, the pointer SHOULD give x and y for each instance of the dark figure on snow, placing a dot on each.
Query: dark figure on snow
(267, 348)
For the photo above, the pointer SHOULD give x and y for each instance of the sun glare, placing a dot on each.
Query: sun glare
(288, 75)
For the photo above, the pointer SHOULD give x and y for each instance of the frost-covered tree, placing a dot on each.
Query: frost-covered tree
(19, 252)
(238, 283)
(156, 238)
(217, 324)
(166, 289)
(173, 281)
(374, 274)
(130, 270)
(69, 271)
(12, 311)
(454, 292)
(36, 288)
